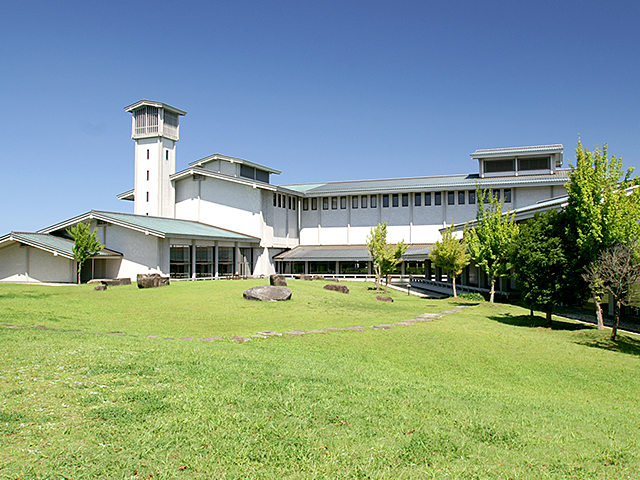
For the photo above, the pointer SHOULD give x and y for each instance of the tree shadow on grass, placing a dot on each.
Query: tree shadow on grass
(537, 322)
(622, 344)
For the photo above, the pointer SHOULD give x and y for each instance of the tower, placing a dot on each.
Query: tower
(155, 129)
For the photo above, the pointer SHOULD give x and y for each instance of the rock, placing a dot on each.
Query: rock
(277, 280)
(152, 280)
(337, 288)
(306, 277)
(111, 282)
(317, 277)
(267, 293)
(100, 287)
(239, 339)
(384, 299)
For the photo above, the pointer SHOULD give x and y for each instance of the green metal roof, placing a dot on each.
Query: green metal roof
(51, 243)
(354, 253)
(158, 226)
(436, 183)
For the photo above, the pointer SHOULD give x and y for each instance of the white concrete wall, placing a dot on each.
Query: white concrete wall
(32, 265)
(151, 157)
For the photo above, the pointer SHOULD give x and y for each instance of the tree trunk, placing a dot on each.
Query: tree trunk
(531, 312)
(599, 313)
(493, 290)
(386, 283)
(455, 294)
(79, 272)
(549, 321)
(616, 318)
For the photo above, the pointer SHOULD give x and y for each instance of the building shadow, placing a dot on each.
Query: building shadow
(537, 321)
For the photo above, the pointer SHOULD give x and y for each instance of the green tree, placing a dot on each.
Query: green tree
(384, 255)
(450, 254)
(491, 239)
(539, 261)
(602, 211)
(85, 246)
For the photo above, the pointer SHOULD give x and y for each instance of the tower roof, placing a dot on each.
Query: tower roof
(144, 102)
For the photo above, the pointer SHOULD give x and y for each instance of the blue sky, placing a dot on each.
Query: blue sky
(320, 90)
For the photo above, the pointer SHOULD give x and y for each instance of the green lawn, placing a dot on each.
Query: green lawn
(481, 394)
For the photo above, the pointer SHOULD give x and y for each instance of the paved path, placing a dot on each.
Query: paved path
(425, 317)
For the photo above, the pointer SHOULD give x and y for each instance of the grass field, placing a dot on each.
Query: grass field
(485, 393)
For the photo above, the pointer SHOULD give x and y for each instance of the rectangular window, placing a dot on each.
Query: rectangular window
(427, 199)
(289, 202)
(147, 175)
(226, 258)
(180, 261)
(438, 198)
(496, 166)
(537, 163)
(496, 194)
(247, 171)
(245, 262)
(472, 197)
(385, 201)
(461, 198)
(354, 202)
(395, 199)
(325, 203)
(147, 154)
(363, 201)
(204, 262)
(451, 198)
(507, 195)
(374, 201)
(294, 200)
(334, 203)
(275, 199)
(405, 199)
(147, 196)
(417, 199)
(343, 202)
(305, 204)
(166, 154)
(262, 176)
(279, 201)
(314, 204)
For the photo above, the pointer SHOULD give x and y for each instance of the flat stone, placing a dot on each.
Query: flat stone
(269, 332)
(100, 288)
(239, 339)
(268, 293)
(332, 329)
(152, 280)
(381, 327)
(258, 336)
(307, 278)
(185, 338)
(168, 338)
(112, 282)
(317, 277)
(337, 288)
(356, 328)
(153, 336)
(296, 332)
(384, 299)
(42, 327)
(277, 280)
(316, 331)
(115, 333)
(210, 339)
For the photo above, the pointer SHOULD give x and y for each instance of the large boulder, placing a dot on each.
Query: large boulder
(112, 282)
(384, 299)
(306, 277)
(277, 280)
(267, 293)
(152, 280)
(337, 288)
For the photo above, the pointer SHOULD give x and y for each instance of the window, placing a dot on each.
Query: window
(171, 124)
(395, 199)
(226, 259)
(279, 200)
(245, 262)
(147, 154)
(262, 176)
(289, 202)
(507, 195)
(275, 199)
(334, 203)
(405, 199)
(385, 201)
(146, 121)
(180, 261)
(204, 262)
(363, 201)
(461, 198)
(536, 163)
(147, 175)
(496, 194)
(427, 199)
(305, 204)
(417, 199)
(472, 197)
(451, 198)
(343, 202)
(354, 202)
(496, 166)
(325, 203)
(314, 204)
(166, 154)
(438, 198)
(294, 200)
(147, 196)
(247, 171)
(374, 201)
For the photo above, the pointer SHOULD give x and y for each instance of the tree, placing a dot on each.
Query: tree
(539, 261)
(86, 244)
(450, 254)
(384, 255)
(490, 240)
(594, 280)
(602, 210)
(618, 268)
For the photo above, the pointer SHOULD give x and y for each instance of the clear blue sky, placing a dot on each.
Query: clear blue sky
(320, 90)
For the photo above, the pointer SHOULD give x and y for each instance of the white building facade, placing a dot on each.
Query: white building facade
(223, 215)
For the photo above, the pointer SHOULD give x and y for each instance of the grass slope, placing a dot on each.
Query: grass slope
(481, 394)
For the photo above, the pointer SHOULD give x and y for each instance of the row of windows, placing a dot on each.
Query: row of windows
(166, 154)
(397, 199)
(284, 201)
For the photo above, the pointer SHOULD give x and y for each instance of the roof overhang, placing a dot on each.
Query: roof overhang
(47, 243)
(517, 151)
(151, 103)
(353, 253)
(242, 161)
(128, 195)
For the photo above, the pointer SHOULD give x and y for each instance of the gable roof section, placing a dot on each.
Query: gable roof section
(156, 226)
(511, 151)
(52, 244)
(151, 103)
(435, 183)
(242, 161)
